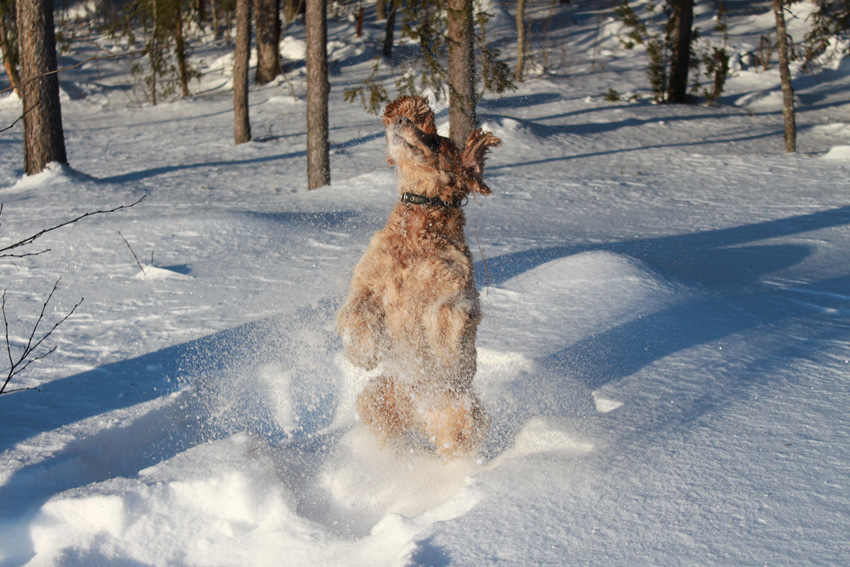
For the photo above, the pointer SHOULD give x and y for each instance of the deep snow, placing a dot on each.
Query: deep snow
(664, 354)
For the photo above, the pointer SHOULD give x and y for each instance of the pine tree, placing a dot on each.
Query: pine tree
(461, 70)
(163, 22)
(521, 43)
(241, 53)
(318, 87)
(9, 42)
(426, 22)
(44, 138)
(680, 60)
(785, 77)
(267, 20)
(829, 22)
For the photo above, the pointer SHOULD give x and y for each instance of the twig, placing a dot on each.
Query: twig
(144, 273)
(29, 240)
(36, 103)
(21, 117)
(74, 66)
(28, 355)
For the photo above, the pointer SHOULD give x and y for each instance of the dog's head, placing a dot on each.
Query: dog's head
(429, 162)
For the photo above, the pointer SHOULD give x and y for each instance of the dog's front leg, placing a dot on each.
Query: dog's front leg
(360, 323)
(451, 328)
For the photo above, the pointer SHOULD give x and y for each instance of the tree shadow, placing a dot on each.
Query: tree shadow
(721, 262)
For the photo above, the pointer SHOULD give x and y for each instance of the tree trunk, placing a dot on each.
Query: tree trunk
(461, 70)
(10, 62)
(389, 28)
(267, 19)
(785, 77)
(202, 12)
(180, 49)
(381, 11)
(44, 138)
(318, 158)
(153, 52)
(291, 10)
(242, 51)
(521, 41)
(215, 23)
(680, 61)
(359, 31)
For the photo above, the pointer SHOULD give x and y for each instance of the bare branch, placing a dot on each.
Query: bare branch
(30, 239)
(75, 65)
(81, 63)
(28, 354)
(21, 117)
(134, 254)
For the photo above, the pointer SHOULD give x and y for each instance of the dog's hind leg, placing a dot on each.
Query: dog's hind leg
(456, 423)
(385, 407)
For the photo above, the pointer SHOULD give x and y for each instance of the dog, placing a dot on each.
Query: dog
(413, 306)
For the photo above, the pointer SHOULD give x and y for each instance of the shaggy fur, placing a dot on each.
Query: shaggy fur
(413, 307)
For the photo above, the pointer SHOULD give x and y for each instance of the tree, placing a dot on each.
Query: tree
(427, 23)
(521, 44)
(461, 70)
(389, 28)
(829, 22)
(318, 150)
(785, 77)
(267, 19)
(9, 42)
(163, 22)
(44, 138)
(241, 53)
(680, 60)
(292, 9)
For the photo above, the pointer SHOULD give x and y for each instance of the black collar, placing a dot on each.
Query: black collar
(414, 199)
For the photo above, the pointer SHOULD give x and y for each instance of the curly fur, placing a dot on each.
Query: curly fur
(413, 307)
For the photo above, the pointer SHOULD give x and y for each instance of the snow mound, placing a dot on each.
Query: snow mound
(838, 153)
(565, 300)
(293, 48)
(53, 174)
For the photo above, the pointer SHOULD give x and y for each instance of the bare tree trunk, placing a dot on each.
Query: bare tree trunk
(291, 9)
(461, 70)
(202, 11)
(242, 51)
(680, 61)
(267, 19)
(180, 49)
(215, 22)
(381, 11)
(785, 77)
(318, 150)
(153, 52)
(44, 138)
(389, 28)
(9, 50)
(359, 31)
(521, 47)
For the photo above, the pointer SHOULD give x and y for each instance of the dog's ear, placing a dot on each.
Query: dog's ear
(478, 143)
(415, 108)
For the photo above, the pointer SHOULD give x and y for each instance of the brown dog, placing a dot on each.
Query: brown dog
(413, 306)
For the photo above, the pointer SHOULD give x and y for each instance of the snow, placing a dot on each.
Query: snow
(664, 352)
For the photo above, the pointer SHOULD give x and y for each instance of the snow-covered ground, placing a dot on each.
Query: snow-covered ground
(665, 353)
